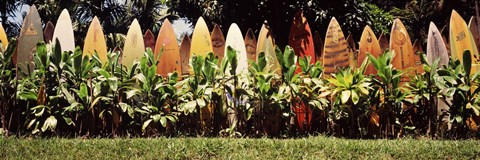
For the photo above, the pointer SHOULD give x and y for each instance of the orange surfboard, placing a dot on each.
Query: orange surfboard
(3, 37)
(251, 45)
(335, 52)
(368, 44)
(95, 41)
(185, 54)
(352, 50)
(301, 39)
(266, 45)
(218, 42)
(418, 51)
(317, 40)
(168, 48)
(401, 44)
(461, 39)
(149, 40)
(48, 32)
(383, 41)
(30, 34)
(473, 25)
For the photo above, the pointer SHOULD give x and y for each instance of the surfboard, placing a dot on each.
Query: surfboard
(301, 39)
(473, 26)
(445, 34)
(265, 44)
(64, 32)
(318, 43)
(134, 48)
(149, 40)
(251, 45)
(418, 51)
(185, 54)
(368, 44)
(169, 61)
(48, 32)
(201, 41)
(30, 34)
(383, 41)
(218, 42)
(3, 37)
(235, 40)
(335, 53)
(120, 52)
(95, 41)
(352, 51)
(436, 48)
(461, 39)
(401, 44)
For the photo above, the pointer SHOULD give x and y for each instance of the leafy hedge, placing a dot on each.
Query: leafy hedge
(70, 95)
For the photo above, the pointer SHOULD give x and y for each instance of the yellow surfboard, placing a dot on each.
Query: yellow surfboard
(134, 47)
(368, 44)
(265, 44)
(473, 26)
(167, 46)
(461, 39)
(3, 37)
(64, 32)
(335, 53)
(201, 41)
(401, 44)
(95, 41)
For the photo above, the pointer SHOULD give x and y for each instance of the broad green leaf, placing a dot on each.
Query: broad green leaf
(145, 124)
(345, 96)
(163, 121)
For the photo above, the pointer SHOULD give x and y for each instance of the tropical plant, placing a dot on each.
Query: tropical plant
(350, 91)
(195, 93)
(7, 83)
(313, 91)
(388, 92)
(151, 95)
(424, 91)
(457, 81)
(267, 100)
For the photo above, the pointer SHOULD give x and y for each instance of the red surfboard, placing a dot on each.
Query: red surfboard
(149, 40)
(301, 41)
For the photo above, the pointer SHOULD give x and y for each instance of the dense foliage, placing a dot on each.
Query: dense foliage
(70, 95)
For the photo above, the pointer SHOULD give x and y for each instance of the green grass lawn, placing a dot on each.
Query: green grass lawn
(223, 148)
